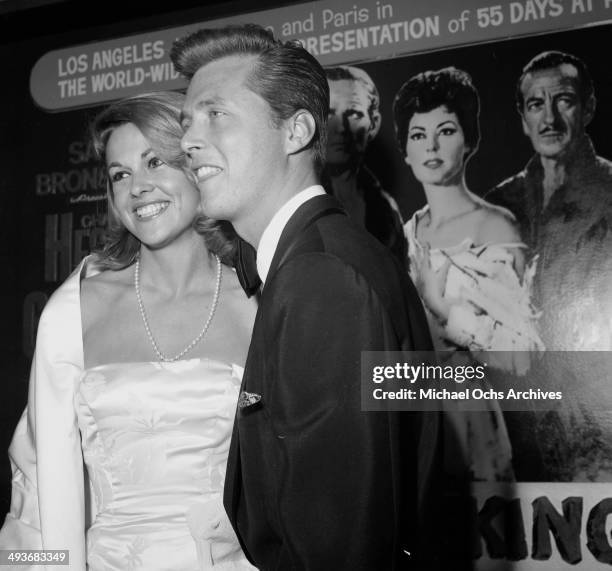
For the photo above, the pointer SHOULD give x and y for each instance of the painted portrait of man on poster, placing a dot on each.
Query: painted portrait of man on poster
(562, 201)
(353, 123)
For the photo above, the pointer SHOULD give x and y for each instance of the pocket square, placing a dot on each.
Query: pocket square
(248, 399)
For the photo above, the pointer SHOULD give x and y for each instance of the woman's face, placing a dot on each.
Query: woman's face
(156, 202)
(435, 147)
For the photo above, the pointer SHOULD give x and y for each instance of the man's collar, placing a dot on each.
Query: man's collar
(271, 235)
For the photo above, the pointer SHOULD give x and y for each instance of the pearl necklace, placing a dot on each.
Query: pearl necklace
(201, 334)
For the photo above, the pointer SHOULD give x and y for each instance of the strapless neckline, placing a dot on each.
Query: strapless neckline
(169, 364)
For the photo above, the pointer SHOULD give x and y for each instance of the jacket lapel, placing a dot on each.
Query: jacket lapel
(304, 216)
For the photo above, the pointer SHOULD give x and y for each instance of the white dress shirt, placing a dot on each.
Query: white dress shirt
(271, 235)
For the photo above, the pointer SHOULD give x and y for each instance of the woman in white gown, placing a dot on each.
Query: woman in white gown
(465, 255)
(136, 373)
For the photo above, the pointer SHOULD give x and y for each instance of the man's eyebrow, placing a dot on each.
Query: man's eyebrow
(208, 101)
(533, 97)
(567, 90)
(201, 104)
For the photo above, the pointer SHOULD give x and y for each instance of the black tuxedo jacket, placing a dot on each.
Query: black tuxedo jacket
(313, 482)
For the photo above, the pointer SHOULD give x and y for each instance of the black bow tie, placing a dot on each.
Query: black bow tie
(246, 268)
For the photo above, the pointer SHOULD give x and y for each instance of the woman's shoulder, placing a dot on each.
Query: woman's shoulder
(107, 281)
(411, 226)
(102, 292)
(494, 224)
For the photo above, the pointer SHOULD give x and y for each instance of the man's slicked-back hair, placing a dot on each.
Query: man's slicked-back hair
(551, 60)
(284, 74)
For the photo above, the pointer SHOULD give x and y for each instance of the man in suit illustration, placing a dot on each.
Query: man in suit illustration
(562, 201)
(312, 481)
(354, 121)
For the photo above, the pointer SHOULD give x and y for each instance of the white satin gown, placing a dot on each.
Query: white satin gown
(121, 464)
(155, 440)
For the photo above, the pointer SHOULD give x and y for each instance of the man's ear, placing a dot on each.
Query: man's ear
(301, 128)
(589, 110)
(375, 125)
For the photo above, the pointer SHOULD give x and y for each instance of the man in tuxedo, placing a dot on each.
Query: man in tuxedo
(312, 482)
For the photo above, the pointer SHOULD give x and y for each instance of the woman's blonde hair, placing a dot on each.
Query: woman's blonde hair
(157, 116)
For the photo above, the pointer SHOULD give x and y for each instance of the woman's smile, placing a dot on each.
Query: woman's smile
(151, 210)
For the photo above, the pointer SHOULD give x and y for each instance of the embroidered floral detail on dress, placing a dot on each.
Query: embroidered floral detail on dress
(92, 384)
(100, 462)
(135, 550)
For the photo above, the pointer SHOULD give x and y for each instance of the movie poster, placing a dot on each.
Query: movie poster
(540, 479)
(520, 260)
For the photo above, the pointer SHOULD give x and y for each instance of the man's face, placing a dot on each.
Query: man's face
(350, 127)
(553, 115)
(233, 148)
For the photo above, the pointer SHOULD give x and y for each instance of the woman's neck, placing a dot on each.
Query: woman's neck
(178, 268)
(446, 202)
